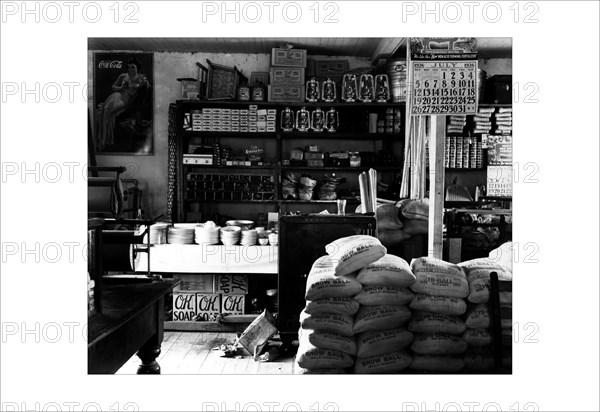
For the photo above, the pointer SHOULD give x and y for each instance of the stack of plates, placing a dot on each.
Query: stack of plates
(181, 233)
(249, 237)
(230, 235)
(158, 233)
(207, 235)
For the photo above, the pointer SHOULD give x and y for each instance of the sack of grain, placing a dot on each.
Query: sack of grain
(380, 317)
(311, 357)
(505, 299)
(439, 304)
(393, 362)
(503, 256)
(438, 278)
(328, 322)
(478, 277)
(387, 216)
(353, 253)
(416, 209)
(416, 227)
(343, 306)
(382, 341)
(425, 322)
(390, 270)
(478, 317)
(479, 359)
(327, 340)
(323, 283)
(436, 363)
(391, 238)
(384, 295)
(477, 337)
(438, 344)
(323, 371)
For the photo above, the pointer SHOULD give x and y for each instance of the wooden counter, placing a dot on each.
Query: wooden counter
(210, 259)
(132, 320)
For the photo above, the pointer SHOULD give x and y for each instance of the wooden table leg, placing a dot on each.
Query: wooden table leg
(148, 354)
(151, 349)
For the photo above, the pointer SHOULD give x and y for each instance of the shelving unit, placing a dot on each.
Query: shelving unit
(353, 118)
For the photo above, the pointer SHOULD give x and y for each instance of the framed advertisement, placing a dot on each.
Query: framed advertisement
(123, 103)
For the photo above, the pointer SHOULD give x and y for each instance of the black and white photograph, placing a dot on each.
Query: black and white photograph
(299, 206)
(352, 216)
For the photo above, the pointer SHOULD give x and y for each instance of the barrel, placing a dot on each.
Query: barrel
(397, 73)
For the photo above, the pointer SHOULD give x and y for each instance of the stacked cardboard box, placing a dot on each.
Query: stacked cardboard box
(205, 297)
(287, 75)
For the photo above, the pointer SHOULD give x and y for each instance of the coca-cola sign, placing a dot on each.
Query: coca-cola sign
(110, 64)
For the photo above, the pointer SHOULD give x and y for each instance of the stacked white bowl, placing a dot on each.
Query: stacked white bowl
(230, 235)
(181, 233)
(249, 237)
(207, 233)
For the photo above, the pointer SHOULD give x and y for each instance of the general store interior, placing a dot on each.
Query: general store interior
(436, 186)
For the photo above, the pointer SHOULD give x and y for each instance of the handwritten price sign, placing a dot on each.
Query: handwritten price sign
(444, 87)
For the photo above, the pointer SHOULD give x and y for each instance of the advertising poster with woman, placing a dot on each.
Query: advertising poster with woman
(123, 103)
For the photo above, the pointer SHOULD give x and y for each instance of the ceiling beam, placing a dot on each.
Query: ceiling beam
(386, 47)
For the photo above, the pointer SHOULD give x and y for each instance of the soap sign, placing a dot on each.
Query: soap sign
(232, 284)
(184, 307)
(208, 306)
(444, 87)
(233, 304)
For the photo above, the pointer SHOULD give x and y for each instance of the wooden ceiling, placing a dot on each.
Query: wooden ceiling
(334, 46)
(372, 47)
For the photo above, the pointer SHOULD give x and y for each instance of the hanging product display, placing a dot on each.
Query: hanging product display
(287, 120)
(331, 121)
(313, 93)
(382, 88)
(302, 120)
(317, 120)
(329, 92)
(349, 88)
(366, 91)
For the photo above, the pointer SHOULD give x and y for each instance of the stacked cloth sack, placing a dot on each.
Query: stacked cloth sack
(479, 337)
(440, 289)
(482, 122)
(326, 335)
(380, 324)
(502, 121)
(415, 216)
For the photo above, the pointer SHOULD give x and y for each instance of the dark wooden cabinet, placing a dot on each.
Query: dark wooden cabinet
(302, 239)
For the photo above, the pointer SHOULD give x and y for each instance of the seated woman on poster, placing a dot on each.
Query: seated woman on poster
(125, 90)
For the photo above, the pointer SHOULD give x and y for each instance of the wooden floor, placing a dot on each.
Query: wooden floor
(189, 353)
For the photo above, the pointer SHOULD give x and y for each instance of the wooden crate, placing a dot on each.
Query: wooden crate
(233, 304)
(196, 283)
(231, 284)
(208, 306)
(184, 306)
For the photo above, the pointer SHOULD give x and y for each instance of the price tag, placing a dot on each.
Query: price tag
(444, 87)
